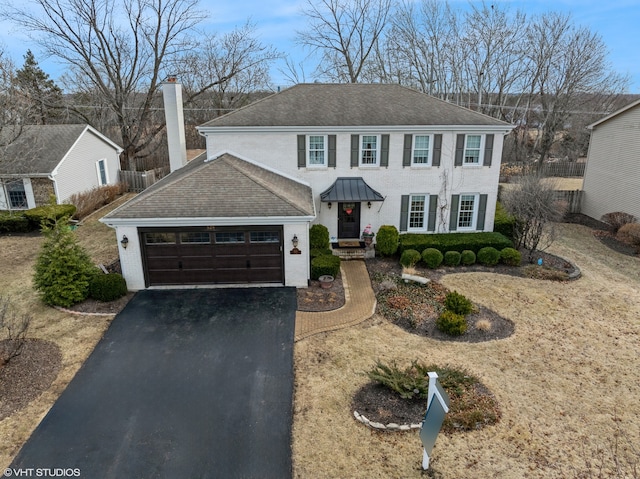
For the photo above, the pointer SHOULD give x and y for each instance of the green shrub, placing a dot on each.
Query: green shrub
(453, 241)
(314, 253)
(488, 256)
(63, 269)
(458, 303)
(107, 287)
(318, 237)
(48, 213)
(510, 257)
(325, 265)
(467, 257)
(504, 223)
(452, 258)
(409, 258)
(13, 223)
(411, 382)
(432, 257)
(451, 323)
(387, 242)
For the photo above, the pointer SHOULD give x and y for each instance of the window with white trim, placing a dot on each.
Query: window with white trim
(421, 155)
(316, 150)
(17, 194)
(101, 166)
(417, 212)
(467, 212)
(369, 150)
(472, 149)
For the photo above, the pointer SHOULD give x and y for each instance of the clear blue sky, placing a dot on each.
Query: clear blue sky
(617, 21)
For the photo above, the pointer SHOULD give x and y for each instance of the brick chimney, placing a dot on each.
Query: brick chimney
(172, 95)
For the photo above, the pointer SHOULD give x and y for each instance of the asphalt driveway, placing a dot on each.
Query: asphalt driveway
(185, 383)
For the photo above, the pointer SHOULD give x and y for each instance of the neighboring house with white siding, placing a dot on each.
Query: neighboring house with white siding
(342, 155)
(612, 175)
(59, 160)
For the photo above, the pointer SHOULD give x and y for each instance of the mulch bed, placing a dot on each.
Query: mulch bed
(27, 375)
(316, 299)
(93, 306)
(602, 232)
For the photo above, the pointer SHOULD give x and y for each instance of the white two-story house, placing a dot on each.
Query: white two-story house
(342, 155)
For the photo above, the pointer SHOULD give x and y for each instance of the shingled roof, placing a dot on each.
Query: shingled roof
(225, 187)
(38, 149)
(313, 104)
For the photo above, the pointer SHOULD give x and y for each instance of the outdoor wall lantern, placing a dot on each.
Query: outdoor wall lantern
(295, 241)
(124, 242)
(329, 204)
(369, 204)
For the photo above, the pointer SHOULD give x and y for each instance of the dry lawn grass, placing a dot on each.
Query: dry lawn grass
(560, 379)
(75, 335)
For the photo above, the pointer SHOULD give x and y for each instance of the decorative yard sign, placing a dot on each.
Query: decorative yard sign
(437, 407)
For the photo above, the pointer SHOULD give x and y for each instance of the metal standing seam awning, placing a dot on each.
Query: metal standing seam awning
(351, 190)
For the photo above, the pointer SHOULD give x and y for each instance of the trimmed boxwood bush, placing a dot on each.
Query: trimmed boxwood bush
(36, 216)
(452, 258)
(458, 303)
(467, 257)
(107, 287)
(409, 258)
(432, 257)
(325, 264)
(387, 242)
(488, 256)
(318, 237)
(13, 223)
(314, 253)
(453, 241)
(451, 323)
(510, 257)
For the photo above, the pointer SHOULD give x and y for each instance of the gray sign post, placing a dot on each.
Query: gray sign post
(437, 408)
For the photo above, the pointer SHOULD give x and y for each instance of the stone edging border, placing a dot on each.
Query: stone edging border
(576, 271)
(80, 313)
(385, 427)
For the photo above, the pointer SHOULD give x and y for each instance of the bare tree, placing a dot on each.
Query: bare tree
(345, 33)
(532, 201)
(14, 327)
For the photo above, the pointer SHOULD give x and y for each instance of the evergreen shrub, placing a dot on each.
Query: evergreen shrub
(318, 237)
(453, 241)
(409, 258)
(467, 257)
(387, 242)
(510, 257)
(48, 213)
(13, 223)
(488, 256)
(432, 257)
(107, 287)
(452, 258)
(325, 265)
(314, 253)
(451, 323)
(458, 303)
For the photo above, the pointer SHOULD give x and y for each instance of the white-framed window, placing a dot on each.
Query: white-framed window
(17, 194)
(369, 150)
(422, 148)
(467, 212)
(101, 167)
(472, 149)
(317, 150)
(417, 212)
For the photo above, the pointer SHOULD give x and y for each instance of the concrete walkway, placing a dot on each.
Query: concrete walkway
(360, 304)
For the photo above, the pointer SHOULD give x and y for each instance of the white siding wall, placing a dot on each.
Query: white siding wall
(131, 258)
(279, 151)
(612, 176)
(78, 172)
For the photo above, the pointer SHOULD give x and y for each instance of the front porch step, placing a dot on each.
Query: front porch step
(346, 254)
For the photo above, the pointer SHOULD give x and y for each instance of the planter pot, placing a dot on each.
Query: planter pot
(326, 281)
(367, 240)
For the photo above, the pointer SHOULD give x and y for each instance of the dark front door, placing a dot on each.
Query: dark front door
(348, 220)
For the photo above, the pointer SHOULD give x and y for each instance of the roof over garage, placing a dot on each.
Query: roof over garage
(223, 187)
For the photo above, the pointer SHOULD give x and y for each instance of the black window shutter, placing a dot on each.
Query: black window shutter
(406, 154)
(355, 150)
(332, 151)
(437, 150)
(453, 217)
(302, 151)
(482, 210)
(404, 212)
(488, 150)
(459, 150)
(384, 153)
(433, 212)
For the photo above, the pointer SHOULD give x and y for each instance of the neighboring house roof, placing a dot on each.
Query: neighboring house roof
(38, 149)
(350, 189)
(614, 114)
(357, 104)
(224, 187)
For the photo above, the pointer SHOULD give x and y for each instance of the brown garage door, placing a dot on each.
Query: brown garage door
(213, 255)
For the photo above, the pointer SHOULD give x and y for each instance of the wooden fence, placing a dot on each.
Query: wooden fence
(563, 169)
(138, 181)
(573, 198)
